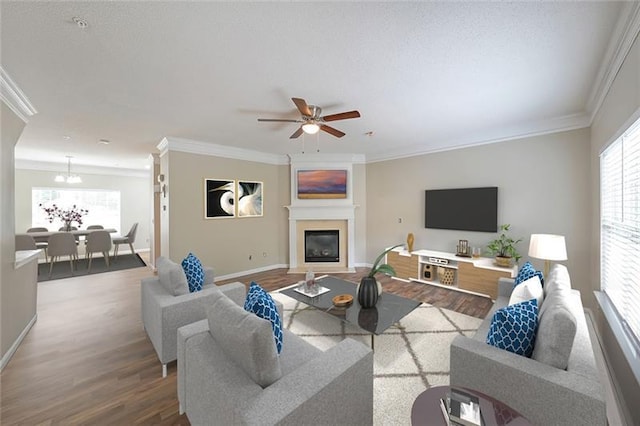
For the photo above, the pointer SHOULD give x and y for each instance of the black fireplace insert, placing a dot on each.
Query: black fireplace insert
(321, 246)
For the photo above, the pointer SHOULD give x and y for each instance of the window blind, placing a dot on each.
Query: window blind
(620, 226)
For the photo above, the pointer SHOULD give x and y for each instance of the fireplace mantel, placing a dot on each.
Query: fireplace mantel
(324, 214)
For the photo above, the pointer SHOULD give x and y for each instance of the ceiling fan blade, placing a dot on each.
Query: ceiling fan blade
(341, 116)
(302, 106)
(335, 132)
(280, 120)
(297, 133)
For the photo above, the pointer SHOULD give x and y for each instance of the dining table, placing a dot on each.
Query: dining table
(76, 232)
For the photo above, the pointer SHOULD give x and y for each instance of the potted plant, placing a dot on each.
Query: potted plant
(369, 289)
(504, 248)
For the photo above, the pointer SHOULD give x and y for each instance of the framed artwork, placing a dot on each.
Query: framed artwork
(219, 198)
(249, 197)
(326, 184)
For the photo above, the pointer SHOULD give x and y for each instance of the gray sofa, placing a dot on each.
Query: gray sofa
(167, 305)
(229, 372)
(543, 393)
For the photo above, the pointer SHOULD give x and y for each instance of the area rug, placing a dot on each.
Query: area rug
(408, 358)
(62, 269)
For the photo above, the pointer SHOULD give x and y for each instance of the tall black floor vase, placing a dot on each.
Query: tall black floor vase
(368, 292)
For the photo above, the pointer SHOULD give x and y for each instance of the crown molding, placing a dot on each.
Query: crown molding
(15, 98)
(327, 158)
(624, 35)
(206, 148)
(545, 127)
(44, 166)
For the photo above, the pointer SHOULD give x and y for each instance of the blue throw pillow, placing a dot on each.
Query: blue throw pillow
(254, 291)
(261, 303)
(194, 272)
(514, 328)
(527, 271)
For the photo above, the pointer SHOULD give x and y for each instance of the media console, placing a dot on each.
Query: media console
(472, 275)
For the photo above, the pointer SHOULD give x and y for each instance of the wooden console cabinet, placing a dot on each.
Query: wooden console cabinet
(404, 263)
(471, 275)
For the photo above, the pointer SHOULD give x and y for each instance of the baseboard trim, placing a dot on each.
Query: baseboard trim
(251, 271)
(7, 357)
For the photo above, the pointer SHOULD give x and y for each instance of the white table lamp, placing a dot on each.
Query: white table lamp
(547, 247)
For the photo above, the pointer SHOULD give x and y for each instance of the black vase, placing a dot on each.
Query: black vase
(368, 292)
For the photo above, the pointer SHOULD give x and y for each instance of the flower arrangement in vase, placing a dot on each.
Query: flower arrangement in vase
(67, 216)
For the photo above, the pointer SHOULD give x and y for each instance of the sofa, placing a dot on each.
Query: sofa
(229, 372)
(167, 305)
(536, 387)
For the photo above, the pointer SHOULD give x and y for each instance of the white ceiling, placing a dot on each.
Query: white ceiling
(425, 76)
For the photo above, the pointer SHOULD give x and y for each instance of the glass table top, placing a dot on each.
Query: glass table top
(389, 309)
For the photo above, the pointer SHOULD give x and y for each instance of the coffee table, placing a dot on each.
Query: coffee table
(389, 310)
(426, 409)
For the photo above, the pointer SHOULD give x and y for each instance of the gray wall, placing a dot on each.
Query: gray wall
(17, 301)
(135, 200)
(543, 187)
(620, 108)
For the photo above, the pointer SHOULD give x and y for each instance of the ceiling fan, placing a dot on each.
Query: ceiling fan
(312, 121)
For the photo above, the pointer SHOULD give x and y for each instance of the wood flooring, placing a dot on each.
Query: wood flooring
(87, 359)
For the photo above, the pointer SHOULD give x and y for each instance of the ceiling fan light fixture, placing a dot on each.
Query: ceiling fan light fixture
(310, 128)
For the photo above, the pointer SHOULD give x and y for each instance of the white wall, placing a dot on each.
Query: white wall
(135, 200)
(543, 187)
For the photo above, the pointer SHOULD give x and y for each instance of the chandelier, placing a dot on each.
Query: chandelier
(69, 178)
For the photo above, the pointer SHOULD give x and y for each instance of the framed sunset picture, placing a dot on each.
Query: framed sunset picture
(325, 184)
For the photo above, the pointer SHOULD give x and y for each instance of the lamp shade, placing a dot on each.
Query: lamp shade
(547, 247)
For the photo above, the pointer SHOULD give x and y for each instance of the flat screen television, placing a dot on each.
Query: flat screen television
(463, 209)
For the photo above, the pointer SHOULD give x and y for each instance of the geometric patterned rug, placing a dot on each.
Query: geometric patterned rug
(408, 358)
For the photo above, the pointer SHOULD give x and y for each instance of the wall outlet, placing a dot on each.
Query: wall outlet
(399, 220)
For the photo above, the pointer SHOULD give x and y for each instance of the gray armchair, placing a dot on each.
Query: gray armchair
(229, 372)
(167, 305)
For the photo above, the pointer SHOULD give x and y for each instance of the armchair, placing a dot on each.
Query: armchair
(167, 305)
(222, 377)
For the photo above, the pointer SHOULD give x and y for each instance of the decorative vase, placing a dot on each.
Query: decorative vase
(368, 292)
(67, 225)
(503, 261)
(410, 242)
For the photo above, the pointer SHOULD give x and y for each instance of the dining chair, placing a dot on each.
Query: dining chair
(62, 244)
(127, 239)
(41, 242)
(25, 242)
(98, 242)
(73, 228)
(85, 238)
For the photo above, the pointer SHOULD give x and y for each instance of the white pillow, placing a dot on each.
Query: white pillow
(527, 290)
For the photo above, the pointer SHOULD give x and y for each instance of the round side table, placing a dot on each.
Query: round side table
(426, 409)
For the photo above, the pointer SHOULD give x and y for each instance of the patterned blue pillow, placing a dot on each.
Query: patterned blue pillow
(194, 272)
(527, 271)
(260, 303)
(254, 291)
(514, 328)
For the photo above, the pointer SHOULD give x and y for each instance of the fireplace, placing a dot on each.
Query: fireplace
(322, 245)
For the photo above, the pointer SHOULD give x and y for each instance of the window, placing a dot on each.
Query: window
(620, 227)
(103, 206)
